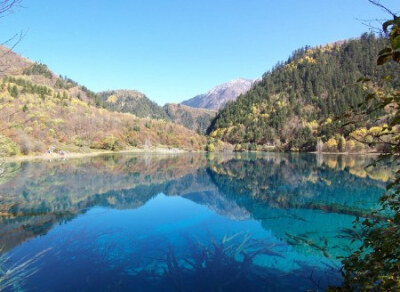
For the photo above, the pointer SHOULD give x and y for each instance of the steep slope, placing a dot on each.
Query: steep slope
(297, 102)
(131, 101)
(196, 119)
(11, 64)
(217, 97)
(38, 109)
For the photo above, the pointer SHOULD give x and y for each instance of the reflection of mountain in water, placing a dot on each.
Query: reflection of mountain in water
(308, 201)
(44, 193)
(295, 196)
(283, 181)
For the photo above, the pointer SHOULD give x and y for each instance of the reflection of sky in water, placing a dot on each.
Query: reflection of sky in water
(293, 226)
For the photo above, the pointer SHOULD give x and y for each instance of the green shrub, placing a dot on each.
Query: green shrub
(8, 146)
(238, 148)
(111, 143)
(210, 147)
(132, 142)
(78, 141)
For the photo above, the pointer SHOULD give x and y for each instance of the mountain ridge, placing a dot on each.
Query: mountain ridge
(41, 111)
(219, 95)
(131, 101)
(306, 98)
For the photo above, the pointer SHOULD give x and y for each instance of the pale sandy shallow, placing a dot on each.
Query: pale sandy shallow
(94, 153)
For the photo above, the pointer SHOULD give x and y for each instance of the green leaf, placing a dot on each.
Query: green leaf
(387, 78)
(396, 43)
(363, 79)
(385, 51)
(382, 59)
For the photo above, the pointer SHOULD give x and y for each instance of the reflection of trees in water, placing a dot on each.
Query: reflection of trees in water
(61, 183)
(8, 170)
(295, 181)
(41, 194)
(270, 188)
(306, 200)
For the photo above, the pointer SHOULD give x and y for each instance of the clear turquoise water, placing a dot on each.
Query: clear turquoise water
(272, 222)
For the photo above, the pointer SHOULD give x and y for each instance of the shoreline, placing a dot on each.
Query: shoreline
(155, 150)
(45, 156)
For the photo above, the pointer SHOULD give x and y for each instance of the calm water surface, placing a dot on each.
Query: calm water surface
(271, 222)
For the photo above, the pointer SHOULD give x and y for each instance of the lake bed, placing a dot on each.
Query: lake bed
(185, 222)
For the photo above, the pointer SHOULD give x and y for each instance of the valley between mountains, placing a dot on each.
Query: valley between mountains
(299, 105)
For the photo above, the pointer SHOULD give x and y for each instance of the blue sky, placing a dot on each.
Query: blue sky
(173, 50)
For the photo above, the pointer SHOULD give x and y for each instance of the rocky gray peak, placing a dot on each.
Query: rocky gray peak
(218, 96)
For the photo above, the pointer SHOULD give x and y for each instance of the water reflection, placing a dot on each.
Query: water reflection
(304, 204)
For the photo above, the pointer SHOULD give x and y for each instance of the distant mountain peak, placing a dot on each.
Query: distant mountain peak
(218, 96)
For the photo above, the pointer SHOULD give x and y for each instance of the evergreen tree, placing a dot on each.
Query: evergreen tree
(316, 85)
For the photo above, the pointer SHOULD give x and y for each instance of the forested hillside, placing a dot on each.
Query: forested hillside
(40, 110)
(196, 119)
(135, 102)
(132, 101)
(299, 101)
(15, 65)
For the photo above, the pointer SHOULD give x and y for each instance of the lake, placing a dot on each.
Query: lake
(187, 222)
